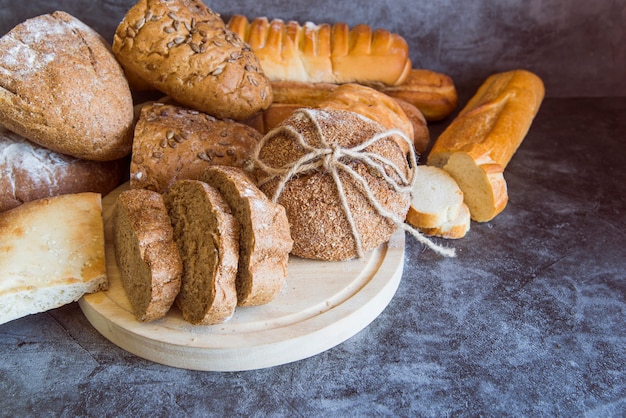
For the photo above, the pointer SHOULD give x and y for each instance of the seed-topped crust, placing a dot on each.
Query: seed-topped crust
(184, 49)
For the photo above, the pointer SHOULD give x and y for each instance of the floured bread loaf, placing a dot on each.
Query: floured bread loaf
(207, 235)
(184, 49)
(148, 259)
(344, 180)
(51, 254)
(29, 172)
(61, 87)
(265, 240)
(325, 53)
(173, 142)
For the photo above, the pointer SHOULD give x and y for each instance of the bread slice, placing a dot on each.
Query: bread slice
(454, 229)
(51, 254)
(208, 238)
(265, 240)
(436, 198)
(148, 259)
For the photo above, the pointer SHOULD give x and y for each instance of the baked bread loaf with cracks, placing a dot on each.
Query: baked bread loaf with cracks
(62, 88)
(29, 172)
(207, 236)
(173, 142)
(184, 49)
(146, 254)
(265, 238)
(51, 254)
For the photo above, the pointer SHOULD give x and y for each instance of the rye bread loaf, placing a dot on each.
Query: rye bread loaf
(61, 87)
(146, 254)
(173, 142)
(343, 179)
(207, 236)
(265, 240)
(51, 254)
(29, 172)
(184, 49)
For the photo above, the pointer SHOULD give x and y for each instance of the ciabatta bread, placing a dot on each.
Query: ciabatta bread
(324, 53)
(29, 172)
(207, 235)
(479, 143)
(265, 239)
(61, 87)
(149, 262)
(184, 49)
(173, 142)
(51, 254)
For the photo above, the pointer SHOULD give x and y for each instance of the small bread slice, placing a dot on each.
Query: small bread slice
(51, 254)
(148, 259)
(207, 236)
(436, 198)
(455, 229)
(265, 238)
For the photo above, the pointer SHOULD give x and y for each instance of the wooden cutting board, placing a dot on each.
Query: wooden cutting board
(323, 304)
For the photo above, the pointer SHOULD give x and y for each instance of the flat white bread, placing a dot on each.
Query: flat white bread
(51, 254)
(148, 258)
(207, 235)
(436, 198)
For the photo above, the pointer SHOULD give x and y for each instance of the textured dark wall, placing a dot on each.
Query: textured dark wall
(576, 46)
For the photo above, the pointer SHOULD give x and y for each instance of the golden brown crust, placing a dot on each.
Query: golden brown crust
(324, 53)
(173, 142)
(184, 49)
(61, 87)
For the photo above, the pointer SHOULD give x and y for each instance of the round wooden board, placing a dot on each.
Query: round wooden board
(323, 304)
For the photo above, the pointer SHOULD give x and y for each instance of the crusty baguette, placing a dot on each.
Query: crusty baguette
(454, 229)
(478, 144)
(433, 93)
(51, 254)
(325, 53)
(149, 261)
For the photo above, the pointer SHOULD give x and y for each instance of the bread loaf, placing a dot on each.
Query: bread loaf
(149, 262)
(343, 179)
(325, 53)
(51, 254)
(29, 172)
(479, 143)
(184, 49)
(207, 235)
(172, 142)
(61, 87)
(265, 240)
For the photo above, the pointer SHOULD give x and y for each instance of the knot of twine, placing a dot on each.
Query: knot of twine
(330, 158)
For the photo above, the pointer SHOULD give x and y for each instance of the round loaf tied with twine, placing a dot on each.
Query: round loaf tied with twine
(344, 180)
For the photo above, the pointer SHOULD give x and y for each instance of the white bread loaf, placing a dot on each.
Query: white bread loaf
(51, 254)
(207, 235)
(324, 53)
(148, 259)
(479, 143)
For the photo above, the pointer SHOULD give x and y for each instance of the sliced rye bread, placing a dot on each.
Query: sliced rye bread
(147, 256)
(207, 236)
(265, 239)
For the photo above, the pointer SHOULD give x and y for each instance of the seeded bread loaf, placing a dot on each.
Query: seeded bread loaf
(343, 179)
(51, 254)
(184, 49)
(146, 254)
(29, 172)
(324, 53)
(207, 236)
(173, 142)
(265, 239)
(61, 87)
(479, 143)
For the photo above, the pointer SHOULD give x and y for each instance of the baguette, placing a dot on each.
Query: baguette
(324, 53)
(478, 144)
